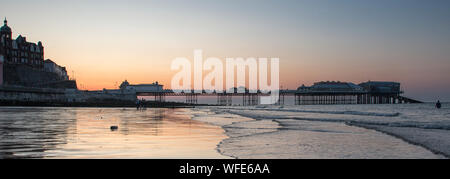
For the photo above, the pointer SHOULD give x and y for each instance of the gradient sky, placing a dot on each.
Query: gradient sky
(107, 41)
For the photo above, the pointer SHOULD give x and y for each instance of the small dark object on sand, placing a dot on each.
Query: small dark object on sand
(113, 128)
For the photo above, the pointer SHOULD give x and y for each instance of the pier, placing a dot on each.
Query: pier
(321, 93)
(349, 93)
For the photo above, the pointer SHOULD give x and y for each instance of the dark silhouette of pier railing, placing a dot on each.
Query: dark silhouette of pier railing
(408, 100)
(349, 97)
(300, 97)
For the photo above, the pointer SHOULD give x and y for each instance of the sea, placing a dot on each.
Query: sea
(373, 131)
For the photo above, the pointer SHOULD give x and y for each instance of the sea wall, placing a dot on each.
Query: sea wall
(92, 97)
(16, 95)
(23, 75)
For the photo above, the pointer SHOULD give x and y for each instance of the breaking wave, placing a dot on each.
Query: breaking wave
(413, 124)
(348, 112)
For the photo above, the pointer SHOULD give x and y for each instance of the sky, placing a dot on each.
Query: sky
(103, 42)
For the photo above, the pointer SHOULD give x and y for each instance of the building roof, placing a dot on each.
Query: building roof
(21, 39)
(153, 84)
(332, 86)
(5, 27)
(380, 83)
(48, 61)
(381, 86)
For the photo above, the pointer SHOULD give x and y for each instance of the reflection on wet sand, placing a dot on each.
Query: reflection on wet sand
(29, 132)
(86, 133)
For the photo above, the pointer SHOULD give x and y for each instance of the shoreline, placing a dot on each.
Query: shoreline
(228, 146)
(99, 104)
(220, 122)
(406, 139)
(412, 135)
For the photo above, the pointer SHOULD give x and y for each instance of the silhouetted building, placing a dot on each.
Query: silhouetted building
(381, 87)
(19, 51)
(22, 64)
(52, 67)
(331, 86)
(371, 92)
(154, 87)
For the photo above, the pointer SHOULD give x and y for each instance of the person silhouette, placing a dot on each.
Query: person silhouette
(438, 104)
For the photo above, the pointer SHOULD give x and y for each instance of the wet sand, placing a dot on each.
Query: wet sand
(46, 132)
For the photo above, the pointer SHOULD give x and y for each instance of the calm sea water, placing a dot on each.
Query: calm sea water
(41, 132)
